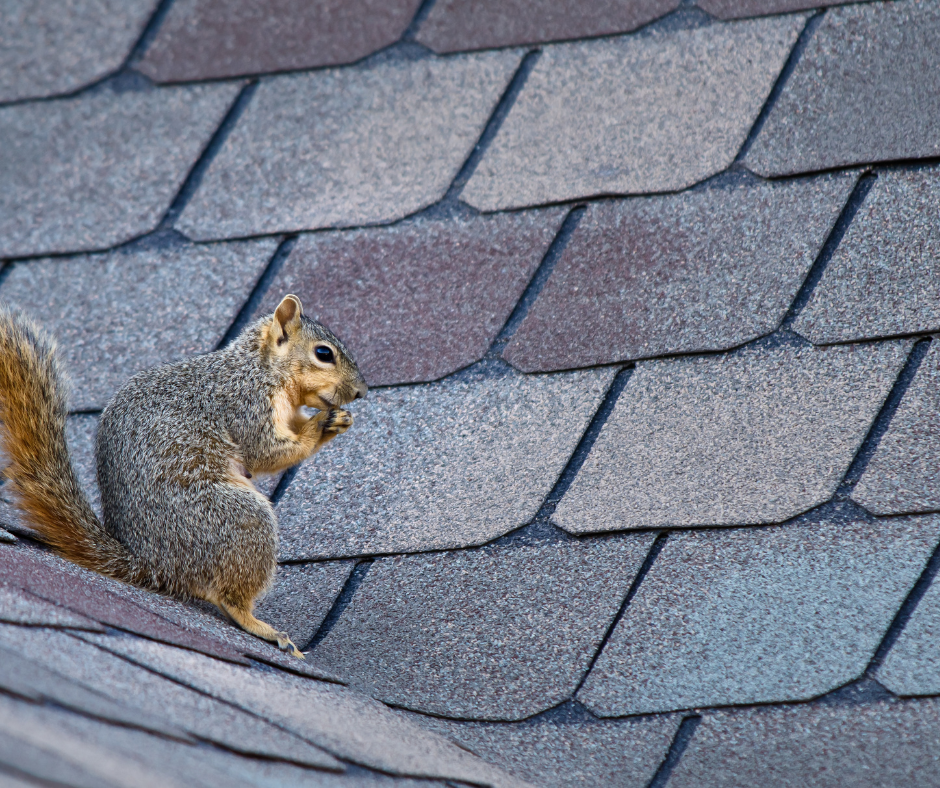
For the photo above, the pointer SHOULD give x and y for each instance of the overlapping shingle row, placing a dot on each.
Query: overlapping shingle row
(628, 295)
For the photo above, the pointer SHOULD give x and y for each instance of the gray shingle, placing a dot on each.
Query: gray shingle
(6, 536)
(912, 666)
(117, 314)
(348, 146)
(86, 666)
(883, 279)
(755, 616)
(497, 634)
(738, 9)
(208, 39)
(705, 270)
(20, 607)
(455, 25)
(567, 753)
(423, 298)
(904, 473)
(338, 719)
(92, 172)
(867, 88)
(449, 464)
(756, 436)
(638, 114)
(871, 746)
(52, 47)
(302, 596)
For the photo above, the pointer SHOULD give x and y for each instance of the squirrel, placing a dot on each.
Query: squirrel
(176, 450)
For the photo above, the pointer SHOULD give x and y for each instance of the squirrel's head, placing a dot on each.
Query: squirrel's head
(311, 358)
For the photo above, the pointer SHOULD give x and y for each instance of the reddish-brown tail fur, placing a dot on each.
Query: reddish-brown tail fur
(33, 395)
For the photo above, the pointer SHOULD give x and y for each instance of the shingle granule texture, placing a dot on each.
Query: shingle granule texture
(483, 634)
(757, 616)
(20, 607)
(89, 173)
(341, 721)
(439, 466)
(206, 39)
(757, 436)
(566, 751)
(419, 300)
(302, 596)
(455, 25)
(904, 473)
(705, 270)
(737, 9)
(117, 314)
(638, 114)
(883, 279)
(49, 47)
(867, 88)
(350, 146)
(878, 745)
(912, 666)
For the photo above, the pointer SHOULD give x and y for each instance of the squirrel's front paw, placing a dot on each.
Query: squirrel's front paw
(337, 421)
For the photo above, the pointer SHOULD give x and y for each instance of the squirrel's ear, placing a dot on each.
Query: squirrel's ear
(286, 318)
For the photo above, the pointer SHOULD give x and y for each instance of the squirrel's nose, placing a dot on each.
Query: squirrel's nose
(361, 391)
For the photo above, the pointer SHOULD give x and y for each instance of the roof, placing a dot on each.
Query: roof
(645, 490)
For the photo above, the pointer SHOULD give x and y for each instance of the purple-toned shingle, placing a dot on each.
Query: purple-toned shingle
(208, 39)
(706, 270)
(738, 9)
(455, 25)
(420, 300)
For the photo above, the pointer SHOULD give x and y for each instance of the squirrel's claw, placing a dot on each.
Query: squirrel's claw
(284, 643)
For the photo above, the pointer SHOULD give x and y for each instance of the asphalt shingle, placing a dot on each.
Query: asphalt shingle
(338, 719)
(912, 666)
(455, 25)
(567, 753)
(738, 9)
(706, 270)
(483, 634)
(89, 173)
(883, 279)
(755, 616)
(117, 314)
(20, 607)
(418, 300)
(882, 744)
(445, 465)
(867, 88)
(350, 146)
(208, 39)
(904, 473)
(756, 436)
(638, 114)
(87, 666)
(302, 596)
(49, 47)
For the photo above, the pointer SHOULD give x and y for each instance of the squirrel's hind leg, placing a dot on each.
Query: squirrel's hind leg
(243, 616)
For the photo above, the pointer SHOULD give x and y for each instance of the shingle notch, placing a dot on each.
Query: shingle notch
(756, 436)
(90, 173)
(903, 475)
(346, 147)
(867, 88)
(444, 465)
(632, 115)
(209, 39)
(421, 299)
(756, 616)
(883, 279)
(483, 634)
(705, 270)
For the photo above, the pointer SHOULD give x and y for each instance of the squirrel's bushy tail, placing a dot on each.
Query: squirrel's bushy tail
(32, 426)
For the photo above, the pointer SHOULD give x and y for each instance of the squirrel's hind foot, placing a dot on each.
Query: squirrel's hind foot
(284, 643)
(243, 616)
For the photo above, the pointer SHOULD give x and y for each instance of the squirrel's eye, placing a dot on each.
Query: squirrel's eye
(324, 354)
